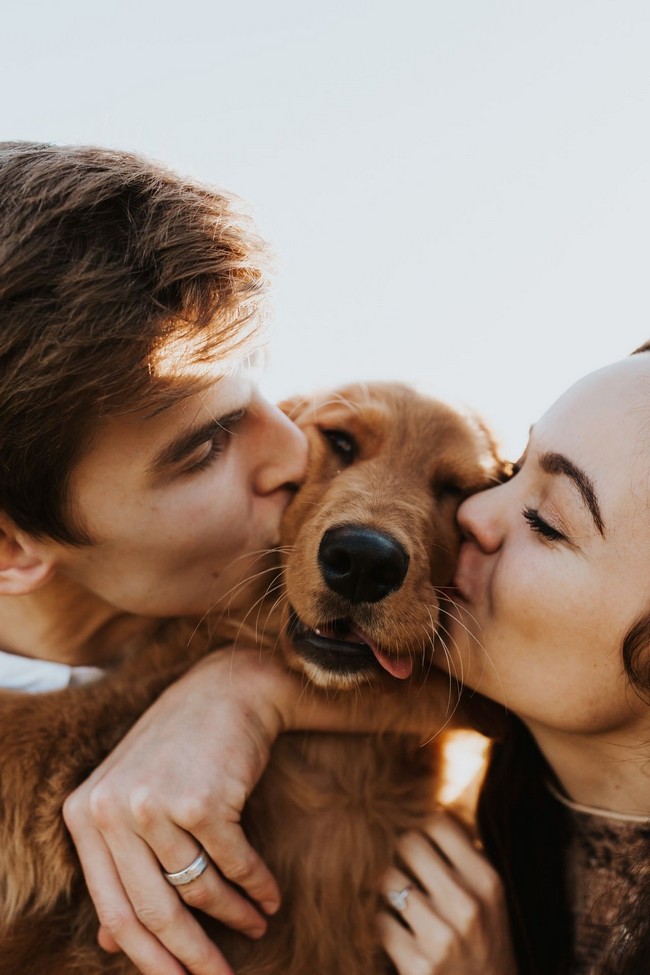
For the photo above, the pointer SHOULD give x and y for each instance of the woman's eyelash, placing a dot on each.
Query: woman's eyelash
(537, 524)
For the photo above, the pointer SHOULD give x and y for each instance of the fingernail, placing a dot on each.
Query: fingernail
(270, 907)
(257, 932)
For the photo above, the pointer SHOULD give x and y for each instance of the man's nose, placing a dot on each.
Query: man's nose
(285, 453)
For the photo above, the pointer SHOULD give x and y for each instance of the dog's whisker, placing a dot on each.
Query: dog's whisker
(435, 632)
(282, 598)
(275, 583)
(454, 675)
(487, 659)
(450, 713)
(456, 618)
(440, 633)
(243, 583)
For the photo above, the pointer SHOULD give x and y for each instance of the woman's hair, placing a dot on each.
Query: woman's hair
(525, 833)
(105, 259)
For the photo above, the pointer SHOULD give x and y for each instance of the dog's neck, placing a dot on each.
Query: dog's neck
(65, 623)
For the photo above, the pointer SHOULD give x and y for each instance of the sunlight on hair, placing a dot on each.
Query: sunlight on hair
(464, 757)
(188, 356)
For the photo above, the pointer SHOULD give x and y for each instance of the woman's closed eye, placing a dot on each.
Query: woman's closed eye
(542, 527)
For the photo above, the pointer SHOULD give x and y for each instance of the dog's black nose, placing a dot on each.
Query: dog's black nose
(362, 564)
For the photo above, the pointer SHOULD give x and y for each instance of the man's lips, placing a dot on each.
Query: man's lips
(338, 645)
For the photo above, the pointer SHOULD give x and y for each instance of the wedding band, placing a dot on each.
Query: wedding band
(398, 898)
(181, 877)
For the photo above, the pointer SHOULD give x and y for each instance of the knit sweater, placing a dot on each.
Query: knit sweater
(606, 860)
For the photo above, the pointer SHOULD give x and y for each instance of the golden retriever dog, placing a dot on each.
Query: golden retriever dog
(369, 545)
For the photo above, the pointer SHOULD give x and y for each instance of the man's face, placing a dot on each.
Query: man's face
(182, 506)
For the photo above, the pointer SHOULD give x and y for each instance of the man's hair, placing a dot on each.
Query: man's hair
(104, 258)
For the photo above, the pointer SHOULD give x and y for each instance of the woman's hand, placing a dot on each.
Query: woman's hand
(457, 924)
(178, 782)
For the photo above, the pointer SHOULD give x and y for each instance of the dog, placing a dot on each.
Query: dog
(368, 552)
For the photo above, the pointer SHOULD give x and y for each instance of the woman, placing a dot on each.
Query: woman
(552, 620)
(552, 585)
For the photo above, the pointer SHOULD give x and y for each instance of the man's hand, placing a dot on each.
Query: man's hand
(178, 782)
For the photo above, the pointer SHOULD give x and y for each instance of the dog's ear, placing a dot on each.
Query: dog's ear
(295, 406)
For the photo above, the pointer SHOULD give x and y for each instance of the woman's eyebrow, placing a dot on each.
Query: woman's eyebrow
(552, 463)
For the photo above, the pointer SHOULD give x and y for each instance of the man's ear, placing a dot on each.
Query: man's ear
(25, 565)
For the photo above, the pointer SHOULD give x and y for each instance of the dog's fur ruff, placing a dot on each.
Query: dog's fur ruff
(327, 812)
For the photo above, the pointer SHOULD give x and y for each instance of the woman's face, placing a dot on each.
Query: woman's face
(556, 564)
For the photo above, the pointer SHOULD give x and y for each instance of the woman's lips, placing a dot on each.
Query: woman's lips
(458, 588)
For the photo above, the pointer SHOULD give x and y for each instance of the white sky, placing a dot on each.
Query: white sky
(458, 192)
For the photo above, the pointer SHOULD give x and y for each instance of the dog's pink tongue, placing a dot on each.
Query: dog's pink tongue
(400, 667)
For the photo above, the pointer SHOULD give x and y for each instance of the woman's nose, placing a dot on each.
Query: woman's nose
(479, 517)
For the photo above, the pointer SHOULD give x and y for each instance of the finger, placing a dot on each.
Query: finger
(397, 941)
(212, 895)
(159, 908)
(239, 863)
(397, 888)
(401, 947)
(433, 935)
(441, 882)
(219, 832)
(107, 942)
(454, 841)
(118, 925)
(175, 850)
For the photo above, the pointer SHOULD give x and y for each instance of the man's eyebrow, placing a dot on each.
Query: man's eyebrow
(552, 463)
(185, 442)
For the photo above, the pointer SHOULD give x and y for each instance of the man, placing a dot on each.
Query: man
(142, 474)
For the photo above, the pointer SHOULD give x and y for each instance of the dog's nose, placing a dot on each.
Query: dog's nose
(362, 564)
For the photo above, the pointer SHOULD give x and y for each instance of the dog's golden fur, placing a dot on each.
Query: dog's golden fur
(329, 808)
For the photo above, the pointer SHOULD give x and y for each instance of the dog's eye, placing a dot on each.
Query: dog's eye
(446, 489)
(342, 443)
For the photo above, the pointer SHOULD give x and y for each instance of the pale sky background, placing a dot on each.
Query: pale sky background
(457, 192)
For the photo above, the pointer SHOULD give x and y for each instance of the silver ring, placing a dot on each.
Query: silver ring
(181, 877)
(398, 898)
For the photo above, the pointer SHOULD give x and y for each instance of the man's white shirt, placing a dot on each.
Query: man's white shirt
(27, 674)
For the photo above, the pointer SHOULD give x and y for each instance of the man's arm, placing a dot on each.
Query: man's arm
(180, 780)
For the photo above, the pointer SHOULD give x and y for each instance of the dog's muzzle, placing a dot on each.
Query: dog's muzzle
(342, 651)
(359, 565)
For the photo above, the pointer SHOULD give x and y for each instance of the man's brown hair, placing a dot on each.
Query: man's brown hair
(104, 257)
